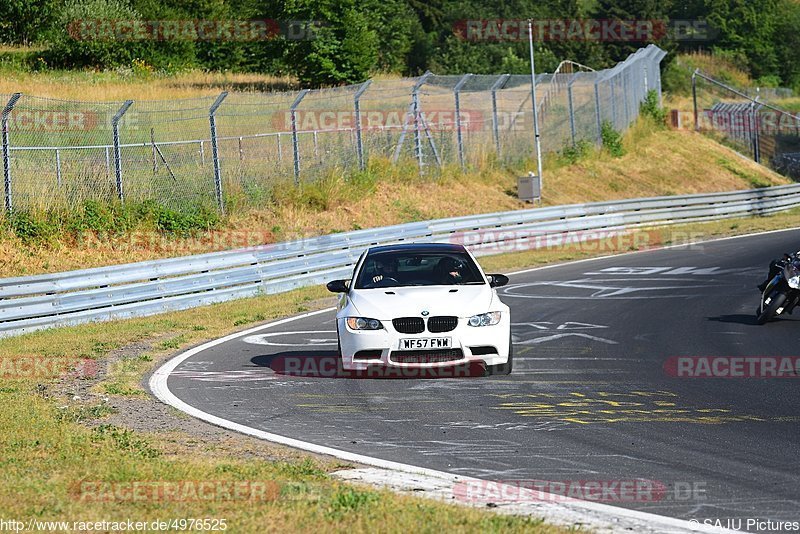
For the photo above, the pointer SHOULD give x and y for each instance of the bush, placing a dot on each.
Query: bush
(106, 220)
(574, 153)
(612, 140)
(651, 108)
(85, 36)
(33, 230)
(677, 79)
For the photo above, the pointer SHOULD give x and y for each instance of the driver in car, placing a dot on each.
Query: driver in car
(385, 269)
(451, 270)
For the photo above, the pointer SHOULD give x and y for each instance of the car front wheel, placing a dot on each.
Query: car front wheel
(503, 368)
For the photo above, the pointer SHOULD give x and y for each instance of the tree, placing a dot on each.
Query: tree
(787, 44)
(344, 49)
(25, 21)
(654, 11)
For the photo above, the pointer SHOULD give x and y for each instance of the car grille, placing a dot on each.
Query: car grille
(444, 323)
(409, 325)
(426, 356)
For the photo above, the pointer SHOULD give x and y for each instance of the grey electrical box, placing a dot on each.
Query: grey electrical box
(529, 188)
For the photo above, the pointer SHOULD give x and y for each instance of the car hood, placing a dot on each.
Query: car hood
(381, 304)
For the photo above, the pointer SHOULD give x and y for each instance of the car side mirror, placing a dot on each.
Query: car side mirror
(497, 280)
(338, 286)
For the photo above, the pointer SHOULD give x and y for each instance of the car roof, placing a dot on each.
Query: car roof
(417, 247)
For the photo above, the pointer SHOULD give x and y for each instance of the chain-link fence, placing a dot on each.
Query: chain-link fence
(749, 123)
(235, 147)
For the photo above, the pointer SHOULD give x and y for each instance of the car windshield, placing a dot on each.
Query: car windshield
(408, 268)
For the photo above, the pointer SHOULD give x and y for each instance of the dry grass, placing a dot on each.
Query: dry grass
(125, 84)
(663, 162)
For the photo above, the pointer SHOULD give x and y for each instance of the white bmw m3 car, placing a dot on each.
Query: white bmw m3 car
(422, 306)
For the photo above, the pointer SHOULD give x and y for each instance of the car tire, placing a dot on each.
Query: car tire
(503, 368)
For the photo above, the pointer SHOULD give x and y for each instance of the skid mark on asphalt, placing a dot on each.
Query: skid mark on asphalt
(613, 407)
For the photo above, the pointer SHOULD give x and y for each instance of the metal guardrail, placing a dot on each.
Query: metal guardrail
(150, 287)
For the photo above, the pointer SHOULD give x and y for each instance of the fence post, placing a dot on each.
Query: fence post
(459, 138)
(295, 144)
(212, 120)
(597, 114)
(754, 107)
(418, 119)
(58, 167)
(571, 107)
(6, 150)
(694, 100)
(625, 99)
(117, 155)
(613, 101)
(500, 83)
(359, 139)
(153, 144)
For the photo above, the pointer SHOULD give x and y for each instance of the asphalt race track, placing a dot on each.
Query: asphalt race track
(591, 398)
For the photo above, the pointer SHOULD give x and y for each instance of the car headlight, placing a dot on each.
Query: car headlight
(484, 319)
(363, 323)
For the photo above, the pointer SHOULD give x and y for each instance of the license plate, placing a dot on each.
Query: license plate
(426, 343)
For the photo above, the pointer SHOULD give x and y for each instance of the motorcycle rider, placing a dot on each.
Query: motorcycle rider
(775, 267)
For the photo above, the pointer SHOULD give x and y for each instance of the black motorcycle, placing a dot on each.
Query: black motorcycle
(782, 293)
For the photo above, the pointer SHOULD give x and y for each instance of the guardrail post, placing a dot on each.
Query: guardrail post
(295, 144)
(359, 139)
(117, 155)
(6, 151)
(456, 92)
(212, 120)
(500, 83)
(597, 114)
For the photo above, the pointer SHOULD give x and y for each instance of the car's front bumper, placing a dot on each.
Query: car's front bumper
(366, 348)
